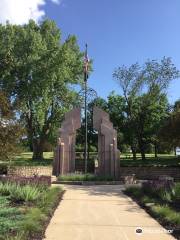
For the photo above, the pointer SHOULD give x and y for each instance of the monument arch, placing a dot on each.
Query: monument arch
(108, 154)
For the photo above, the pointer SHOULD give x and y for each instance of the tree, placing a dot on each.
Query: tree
(151, 112)
(37, 72)
(143, 88)
(10, 130)
(117, 112)
(170, 131)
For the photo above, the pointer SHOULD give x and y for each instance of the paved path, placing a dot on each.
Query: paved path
(101, 213)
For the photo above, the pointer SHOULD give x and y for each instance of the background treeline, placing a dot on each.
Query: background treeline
(145, 121)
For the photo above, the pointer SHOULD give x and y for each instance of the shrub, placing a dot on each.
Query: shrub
(3, 168)
(32, 222)
(25, 194)
(176, 193)
(84, 177)
(162, 189)
(5, 189)
(19, 193)
(156, 185)
(135, 191)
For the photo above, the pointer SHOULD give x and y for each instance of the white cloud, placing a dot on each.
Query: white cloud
(56, 1)
(20, 11)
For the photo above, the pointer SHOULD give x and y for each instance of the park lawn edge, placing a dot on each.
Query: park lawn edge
(149, 210)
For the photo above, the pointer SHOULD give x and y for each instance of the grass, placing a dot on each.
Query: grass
(25, 159)
(166, 213)
(161, 160)
(37, 217)
(26, 210)
(10, 217)
(84, 177)
(165, 208)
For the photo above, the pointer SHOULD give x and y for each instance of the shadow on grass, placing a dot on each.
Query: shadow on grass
(25, 159)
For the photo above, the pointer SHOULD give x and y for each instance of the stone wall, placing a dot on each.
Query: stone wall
(140, 172)
(151, 172)
(30, 171)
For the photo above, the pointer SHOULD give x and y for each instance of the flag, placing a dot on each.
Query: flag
(86, 64)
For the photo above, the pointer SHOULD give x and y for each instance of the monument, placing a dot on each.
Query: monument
(108, 154)
(64, 155)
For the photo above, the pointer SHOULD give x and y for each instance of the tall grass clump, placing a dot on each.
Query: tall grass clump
(19, 193)
(167, 213)
(176, 193)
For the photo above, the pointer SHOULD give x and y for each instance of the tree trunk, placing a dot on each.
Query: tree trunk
(155, 150)
(142, 150)
(37, 149)
(133, 152)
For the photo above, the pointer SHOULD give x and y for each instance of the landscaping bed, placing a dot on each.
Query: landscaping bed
(79, 178)
(26, 208)
(161, 199)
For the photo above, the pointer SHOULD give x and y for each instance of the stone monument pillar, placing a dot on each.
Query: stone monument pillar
(108, 154)
(64, 156)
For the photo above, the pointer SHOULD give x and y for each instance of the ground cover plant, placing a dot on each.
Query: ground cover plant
(25, 209)
(161, 199)
(84, 177)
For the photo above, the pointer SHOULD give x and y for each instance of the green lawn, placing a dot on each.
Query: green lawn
(25, 159)
(161, 160)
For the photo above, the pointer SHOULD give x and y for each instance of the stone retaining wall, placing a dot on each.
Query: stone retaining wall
(151, 172)
(140, 172)
(30, 171)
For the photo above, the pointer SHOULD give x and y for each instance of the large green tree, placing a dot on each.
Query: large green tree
(169, 132)
(10, 129)
(144, 92)
(37, 71)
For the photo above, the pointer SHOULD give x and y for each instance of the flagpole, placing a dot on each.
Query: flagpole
(85, 107)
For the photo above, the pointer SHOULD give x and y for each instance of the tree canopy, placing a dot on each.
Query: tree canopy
(37, 70)
(145, 102)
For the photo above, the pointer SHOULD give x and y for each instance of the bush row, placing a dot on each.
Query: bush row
(34, 180)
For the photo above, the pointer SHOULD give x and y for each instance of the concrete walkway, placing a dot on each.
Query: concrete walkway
(101, 213)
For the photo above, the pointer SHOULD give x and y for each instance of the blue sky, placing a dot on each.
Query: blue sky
(117, 32)
(121, 32)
